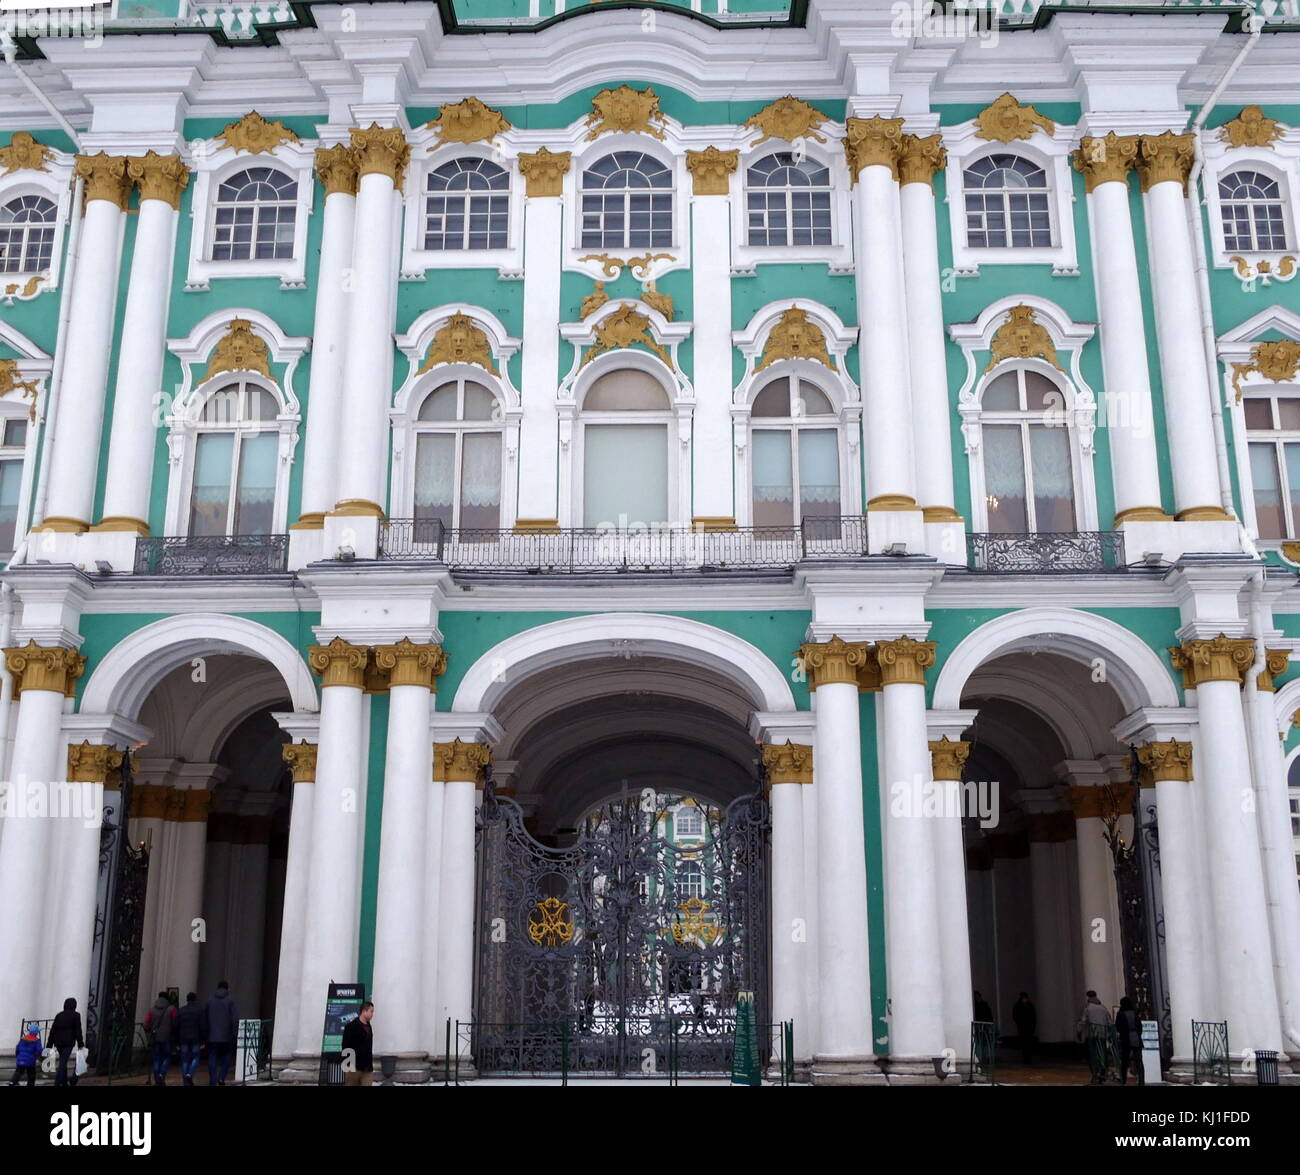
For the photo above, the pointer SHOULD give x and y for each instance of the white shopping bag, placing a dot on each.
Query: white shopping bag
(80, 1069)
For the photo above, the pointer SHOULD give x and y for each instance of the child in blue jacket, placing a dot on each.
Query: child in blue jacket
(27, 1055)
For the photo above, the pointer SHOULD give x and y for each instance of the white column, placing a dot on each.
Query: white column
(337, 168)
(329, 952)
(401, 985)
(362, 466)
(711, 456)
(190, 833)
(806, 1038)
(80, 415)
(789, 769)
(913, 955)
(845, 1045)
(1105, 164)
(1099, 928)
(459, 766)
(144, 339)
(1163, 163)
(539, 452)
(433, 1024)
(301, 758)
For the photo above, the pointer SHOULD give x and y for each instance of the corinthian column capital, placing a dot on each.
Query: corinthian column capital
(337, 169)
(1222, 659)
(458, 761)
(301, 757)
(1167, 760)
(339, 663)
(159, 177)
(106, 178)
(948, 758)
(920, 158)
(1105, 159)
(544, 171)
(407, 663)
(873, 140)
(789, 762)
(36, 667)
(1165, 157)
(93, 762)
(381, 151)
(905, 660)
(711, 170)
(834, 662)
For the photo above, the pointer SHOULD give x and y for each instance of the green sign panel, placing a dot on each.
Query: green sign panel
(745, 1068)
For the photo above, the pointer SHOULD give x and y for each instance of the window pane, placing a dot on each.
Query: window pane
(15, 432)
(1049, 449)
(440, 404)
(625, 478)
(814, 401)
(210, 503)
(1002, 394)
(1288, 413)
(626, 390)
(1041, 394)
(819, 473)
(1004, 480)
(1268, 492)
(773, 400)
(256, 501)
(1258, 412)
(1292, 452)
(478, 402)
(480, 480)
(11, 476)
(773, 478)
(435, 473)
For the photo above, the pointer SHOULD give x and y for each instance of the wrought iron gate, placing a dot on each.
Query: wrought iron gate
(593, 956)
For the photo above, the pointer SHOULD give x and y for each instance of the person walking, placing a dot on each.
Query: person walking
(27, 1055)
(191, 1031)
(1025, 1016)
(160, 1025)
(1094, 1031)
(1129, 1030)
(358, 1037)
(223, 1022)
(65, 1035)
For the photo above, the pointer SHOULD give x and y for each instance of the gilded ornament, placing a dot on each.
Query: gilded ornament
(795, 336)
(106, 178)
(301, 758)
(1105, 159)
(1275, 664)
(1022, 336)
(1005, 120)
(1222, 659)
(459, 340)
(1251, 128)
(1278, 361)
(625, 111)
(548, 925)
(905, 660)
(240, 350)
(1166, 157)
(948, 758)
(1291, 551)
(643, 263)
(407, 663)
(255, 135)
(609, 266)
(26, 292)
(790, 762)
(10, 382)
(711, 170)
(92, 762)
(1265, 271)
(381, 150)
(159, 177)
(469, 121)
(621, 329)
(833, 662)
(544, 171)
(460, 762)
(339, 663)
(873, 141)
(337, 168)
(787, 118)
(593, 301)
(24, 153)
(919, 158)
(1170, 760)
(39, 667)
(651, 296)
(695, 924)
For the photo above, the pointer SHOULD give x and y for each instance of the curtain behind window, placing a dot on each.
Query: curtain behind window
(625, 476)
(210, 501)
(435, 472)
(1004, 480)
(255, 505)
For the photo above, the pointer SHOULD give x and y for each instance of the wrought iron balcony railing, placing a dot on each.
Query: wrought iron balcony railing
(1085, 550)
(240, 554)
(671, 550)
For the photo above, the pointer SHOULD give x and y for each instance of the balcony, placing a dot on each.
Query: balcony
(241, 554)
(1036, 554)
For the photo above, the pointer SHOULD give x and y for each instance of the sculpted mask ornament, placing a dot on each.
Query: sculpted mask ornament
(1022, 336)
(1006, 120)
(24, 153)
(1278, 361)
(787, 118)
(470, 121)
(460, 341)
(795, 337)
(627, 111)
(240, 350)
(1251, 128)
(256, 135)
(621, 329)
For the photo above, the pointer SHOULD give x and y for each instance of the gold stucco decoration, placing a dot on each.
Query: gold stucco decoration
(625, 111)
(544, 171)
(652, 296)
(337, 168)
(1102, 159)
(10, 381)
(711, 170)
(1022, 336)
(873, 140)
(795, 336)
(788, 762)
(1222, 659)
(240, 350)
(1164, 158)
(834, 662)
(621, 329)
(948, 758)
(1251, 128)
(339, 663)
(593, 301)
(159, 177)
(301, 758)
(92, 762)
(1005, 120)
(461, 762)
(1278, 361)
(1171, 760)
(919, 158)
(468, 121)
(407, 663)
(24, 153)
(41, 667)
(381, 150)
(105, 178)
(460, 340)
(787, 118)
(256, 135)
(904, 661)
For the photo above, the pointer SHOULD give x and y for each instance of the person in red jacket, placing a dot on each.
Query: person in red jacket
(160, 1024)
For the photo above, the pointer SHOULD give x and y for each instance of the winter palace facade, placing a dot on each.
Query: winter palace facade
(569, 513)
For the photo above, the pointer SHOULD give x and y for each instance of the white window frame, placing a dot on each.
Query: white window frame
(416, 259)
(1257, 388)
(14, 407)
(53, 185)
(1052, 154)
(838, 255)
(213, 164)
(1279, 161)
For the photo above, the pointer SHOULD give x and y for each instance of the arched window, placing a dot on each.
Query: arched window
(236, 462)
(788, 201)
(255, 213)
(1007, 204)
(796, 454)
(627, 202)
(688, 822)
(1273, 435)
(458, 445)
(467, 206)
(1028, 466)
(626, 417)
(689, 880)
(1254, 219)
(13, 448)
(27, 234)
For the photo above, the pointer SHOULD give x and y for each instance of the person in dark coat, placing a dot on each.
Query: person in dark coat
(1128, 1028)
(223, 1024)
(27, 1055)
(160, 1024)
(191, 1032)
(65, 1035)
(983, 1012)
(1025, 1016)
(359, 1037)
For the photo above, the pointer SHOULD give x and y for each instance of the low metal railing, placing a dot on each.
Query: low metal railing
(1056, 551)
(240, 554)
(672, 550)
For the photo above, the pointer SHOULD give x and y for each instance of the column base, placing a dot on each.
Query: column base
(847, 1071)
(1170, 540)
(890, 523)
(917, 1071)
